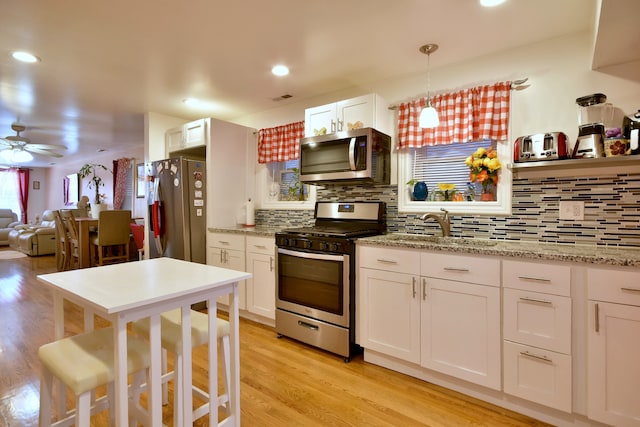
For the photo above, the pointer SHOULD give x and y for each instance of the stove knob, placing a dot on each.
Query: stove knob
(307, 244)
(324, 246)
(335, 247)
(285, 242)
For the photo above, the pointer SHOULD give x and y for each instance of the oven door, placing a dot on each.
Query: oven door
(314, 285)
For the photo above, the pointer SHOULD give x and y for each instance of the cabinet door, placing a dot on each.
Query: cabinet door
(613, 364)
(461, 330)
(389, 313)
(261, 288)
(234, 260)
(360, 109)
(195, 133)
(173, 140)
(320, 120)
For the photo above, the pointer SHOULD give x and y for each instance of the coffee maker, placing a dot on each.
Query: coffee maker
(631, 131)
(593, 112)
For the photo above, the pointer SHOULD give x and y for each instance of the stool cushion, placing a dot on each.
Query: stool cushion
(84, 362)
(171, 327)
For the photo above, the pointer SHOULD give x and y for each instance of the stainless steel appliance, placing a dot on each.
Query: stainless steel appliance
(343, 157)
(316, 275)
(541, 146)
(593, 115)
(177, 216)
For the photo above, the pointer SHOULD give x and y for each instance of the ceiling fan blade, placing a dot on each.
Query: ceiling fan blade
(5, 143)
(46, 146)
(42, 151)
(18, 138)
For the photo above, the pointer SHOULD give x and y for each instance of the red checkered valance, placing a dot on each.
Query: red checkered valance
(468, 115)
(280, 143)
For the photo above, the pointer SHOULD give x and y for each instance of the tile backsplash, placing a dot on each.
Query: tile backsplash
(611, 211)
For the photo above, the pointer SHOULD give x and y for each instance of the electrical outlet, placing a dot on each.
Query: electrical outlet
(572, 210)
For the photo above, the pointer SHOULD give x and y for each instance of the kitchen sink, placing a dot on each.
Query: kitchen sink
(450, 241)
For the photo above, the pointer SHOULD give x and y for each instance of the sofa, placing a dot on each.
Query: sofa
(8, 220)
(35, 240)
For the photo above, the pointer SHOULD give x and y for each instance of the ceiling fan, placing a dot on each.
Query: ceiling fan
(18, 149)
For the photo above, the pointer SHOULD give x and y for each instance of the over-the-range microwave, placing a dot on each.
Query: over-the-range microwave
(361, 155)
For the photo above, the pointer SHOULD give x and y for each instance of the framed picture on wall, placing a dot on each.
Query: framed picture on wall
(140, 180)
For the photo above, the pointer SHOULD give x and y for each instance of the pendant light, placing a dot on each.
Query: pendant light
(429, 115)
(16, 155)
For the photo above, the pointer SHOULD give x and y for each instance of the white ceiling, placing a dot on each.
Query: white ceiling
(105, 63)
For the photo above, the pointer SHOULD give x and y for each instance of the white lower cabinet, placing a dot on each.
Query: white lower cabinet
(614, 346)
(537, 332)
(228, 251)
(448, 326)
(261, 288)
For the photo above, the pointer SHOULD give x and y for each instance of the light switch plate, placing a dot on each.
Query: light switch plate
(572, 210)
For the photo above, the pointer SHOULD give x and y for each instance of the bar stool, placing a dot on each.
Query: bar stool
(83, 363)
(171, 331)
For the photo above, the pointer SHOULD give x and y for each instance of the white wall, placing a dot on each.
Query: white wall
(558, 71)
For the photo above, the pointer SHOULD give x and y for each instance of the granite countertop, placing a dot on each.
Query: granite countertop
(589, 254)
(258, 230)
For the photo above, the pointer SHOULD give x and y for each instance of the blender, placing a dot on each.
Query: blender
(593, 112)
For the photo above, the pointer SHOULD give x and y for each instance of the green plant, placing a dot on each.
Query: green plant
(296, 190)
(95, 180)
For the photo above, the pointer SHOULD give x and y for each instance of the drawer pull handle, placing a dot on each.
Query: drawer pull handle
(260, 246)
(223, 242)
(307, 325)
(539, 301)
(413, 286)
(535, 356)
(424, 289)
(630, 289)
(535, 279)
(387, 261)
(459, 270)
(597, 315)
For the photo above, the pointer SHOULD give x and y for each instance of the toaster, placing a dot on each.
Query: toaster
(541, 146)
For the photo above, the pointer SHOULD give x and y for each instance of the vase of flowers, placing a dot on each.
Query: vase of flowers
(95, 182)
(484, 167)
(446, 192)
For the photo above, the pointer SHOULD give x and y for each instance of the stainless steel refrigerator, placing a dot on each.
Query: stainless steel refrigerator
(177, 209)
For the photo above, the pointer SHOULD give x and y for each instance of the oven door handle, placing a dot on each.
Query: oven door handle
(311, 255)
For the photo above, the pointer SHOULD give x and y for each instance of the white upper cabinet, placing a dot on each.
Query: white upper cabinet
(360, 112)
(189, 135)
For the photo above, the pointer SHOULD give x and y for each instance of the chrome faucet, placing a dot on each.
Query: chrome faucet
(443, 220)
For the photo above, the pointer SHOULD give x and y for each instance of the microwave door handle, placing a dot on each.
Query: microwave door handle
(352, 153)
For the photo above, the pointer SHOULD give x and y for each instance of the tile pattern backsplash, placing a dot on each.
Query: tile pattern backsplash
(611, 207)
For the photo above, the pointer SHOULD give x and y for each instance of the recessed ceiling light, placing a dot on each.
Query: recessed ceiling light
(280, 70)
(491, 3)
(25, 57)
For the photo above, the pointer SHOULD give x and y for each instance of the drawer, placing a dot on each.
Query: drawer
(536, 319)
(537, 277)
(537, 375)
(397, 260)
(462, 268)
(261, 245)
(226, 241)
(621, 286)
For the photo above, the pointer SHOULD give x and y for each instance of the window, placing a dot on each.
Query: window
(9, 191)
(446, 164)
(281, 188)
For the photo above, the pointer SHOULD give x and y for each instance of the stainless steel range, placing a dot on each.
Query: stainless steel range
(316, 275)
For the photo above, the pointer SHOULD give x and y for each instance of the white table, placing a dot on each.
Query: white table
(123, 293)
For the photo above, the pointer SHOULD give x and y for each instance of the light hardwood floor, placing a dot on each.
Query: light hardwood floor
(283, 383)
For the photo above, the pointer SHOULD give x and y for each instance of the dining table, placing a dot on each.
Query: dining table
(126, 292)
(85, 226)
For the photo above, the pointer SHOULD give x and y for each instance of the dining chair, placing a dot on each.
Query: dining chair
(71, 234)
(63, 251)
(113, 237)
(137, 231)
(170, 333)
(83, 363)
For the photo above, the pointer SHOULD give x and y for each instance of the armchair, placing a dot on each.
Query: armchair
(8, 220)
(35, 240)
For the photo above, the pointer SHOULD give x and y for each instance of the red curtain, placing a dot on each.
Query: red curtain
(472, 114)
(120, 169)
(23, 192)
(280, 143)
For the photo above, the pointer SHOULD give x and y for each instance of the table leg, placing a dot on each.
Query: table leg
(155, 371)
(234, 343)
(187, 393)
(58, 333)
(213, 361)
(120, 368)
